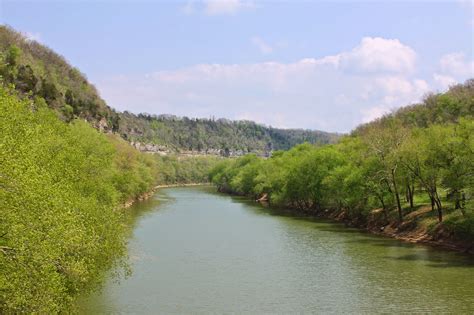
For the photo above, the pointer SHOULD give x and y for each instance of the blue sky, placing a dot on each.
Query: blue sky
(312, 64)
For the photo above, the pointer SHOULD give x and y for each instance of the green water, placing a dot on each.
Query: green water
(195, 251)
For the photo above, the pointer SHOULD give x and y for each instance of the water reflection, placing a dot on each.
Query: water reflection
(196, 251)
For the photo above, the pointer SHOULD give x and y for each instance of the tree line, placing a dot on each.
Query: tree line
(37, 72)
(208, 135)
(420, 155)
(62, 187)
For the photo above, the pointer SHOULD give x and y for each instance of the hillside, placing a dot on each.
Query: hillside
(209, 136)
(39, 73)
(436, 108)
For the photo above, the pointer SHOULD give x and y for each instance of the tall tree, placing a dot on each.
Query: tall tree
(384, 142)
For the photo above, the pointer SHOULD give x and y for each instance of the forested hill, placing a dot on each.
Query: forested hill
(39, 73)
(222, 136)
(436, 108)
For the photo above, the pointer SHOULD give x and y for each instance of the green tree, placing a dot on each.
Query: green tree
(384, 142)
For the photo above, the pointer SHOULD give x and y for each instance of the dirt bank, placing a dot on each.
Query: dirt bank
(410, 230)
(181, 185)
(415, 228)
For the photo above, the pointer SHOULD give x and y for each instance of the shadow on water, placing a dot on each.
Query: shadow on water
(340, 228)
(377, 240)
(437, 260)
(262, 209)
(141, 209)
(434, 257)
(220, 270)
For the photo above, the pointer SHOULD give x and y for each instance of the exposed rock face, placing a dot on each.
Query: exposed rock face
(151, 148)
(164, 150)
(102, 125)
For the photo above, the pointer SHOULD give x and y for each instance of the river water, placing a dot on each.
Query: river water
(195, 251)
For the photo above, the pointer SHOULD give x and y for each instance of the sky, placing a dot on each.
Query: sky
(326, 65)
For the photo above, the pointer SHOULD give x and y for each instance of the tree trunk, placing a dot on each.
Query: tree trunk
(438, 205)
(397, 196)
(435, 201)
(407, 193)
(457, 203)
(384, 208)
(462, 203)
(410, 194)
(440, 211)
(457, 199)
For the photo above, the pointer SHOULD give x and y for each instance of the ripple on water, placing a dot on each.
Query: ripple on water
(199, 252)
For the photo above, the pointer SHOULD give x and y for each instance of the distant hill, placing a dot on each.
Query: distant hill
(221, 136)
(41, 74)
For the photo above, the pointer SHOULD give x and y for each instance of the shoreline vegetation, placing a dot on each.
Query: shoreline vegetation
(36, 71)
(150, 193)
(375, 225)
(66, 173)
(183, 185)
(62, 190)
(409, 174)
(410, 232)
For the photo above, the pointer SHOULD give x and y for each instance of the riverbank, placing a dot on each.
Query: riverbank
(181, 185)
(417, 227)
(148, 194)
(189, 255)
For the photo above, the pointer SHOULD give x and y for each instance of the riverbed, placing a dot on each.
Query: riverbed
(193, 250)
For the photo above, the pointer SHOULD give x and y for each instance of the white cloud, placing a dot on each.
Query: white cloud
(393, 92)
(217, 7)
(443, 81)
(262, 45)
(374, 113)
(453, 68)
(456, 64)
(379, 55)
(333, 93)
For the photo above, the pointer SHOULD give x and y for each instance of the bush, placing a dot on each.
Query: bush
(61, 186)
(462, 227)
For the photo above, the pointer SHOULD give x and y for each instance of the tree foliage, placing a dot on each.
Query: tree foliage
(210, 135)
(61, 190)
(380, 165)
(37, 72)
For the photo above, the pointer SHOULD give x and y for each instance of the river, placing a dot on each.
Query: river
(196, 251)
